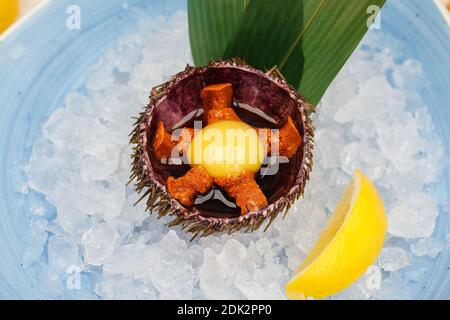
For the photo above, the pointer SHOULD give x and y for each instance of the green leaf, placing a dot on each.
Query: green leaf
(336, 29)
(266, 36)
(309, 40)
(212, 24)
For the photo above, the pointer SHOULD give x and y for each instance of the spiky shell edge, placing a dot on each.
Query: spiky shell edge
(155, 194)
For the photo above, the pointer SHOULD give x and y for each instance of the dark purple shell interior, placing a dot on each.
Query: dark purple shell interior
(271, 94)
(248, 88)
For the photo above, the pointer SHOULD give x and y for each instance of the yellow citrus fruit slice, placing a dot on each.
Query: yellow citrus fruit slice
(347, 246)
(9, 11)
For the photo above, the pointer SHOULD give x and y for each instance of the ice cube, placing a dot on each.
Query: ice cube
(63, 253)
(99, 243)
(413, 217)
(427, 247)
(393, 259)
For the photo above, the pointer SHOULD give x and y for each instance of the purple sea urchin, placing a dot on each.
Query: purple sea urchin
(171, 102)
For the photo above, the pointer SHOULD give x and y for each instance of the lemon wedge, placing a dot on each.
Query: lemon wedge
(347, 246)
(9, 10)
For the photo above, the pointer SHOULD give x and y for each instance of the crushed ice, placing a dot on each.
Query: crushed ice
(82, 216)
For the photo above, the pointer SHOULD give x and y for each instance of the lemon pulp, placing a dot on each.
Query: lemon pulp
(347, 246)
(9, 10)
(227, 148)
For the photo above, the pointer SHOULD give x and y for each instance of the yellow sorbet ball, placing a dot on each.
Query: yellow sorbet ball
(226, 148)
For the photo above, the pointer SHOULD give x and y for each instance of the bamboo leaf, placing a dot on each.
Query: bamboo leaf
(266, 37)
(212, 24)
(331, 38)
(309, 40)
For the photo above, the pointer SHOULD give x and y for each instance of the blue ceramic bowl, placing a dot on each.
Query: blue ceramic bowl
(41, 61)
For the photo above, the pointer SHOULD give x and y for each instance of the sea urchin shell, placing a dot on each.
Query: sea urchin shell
(173, 100)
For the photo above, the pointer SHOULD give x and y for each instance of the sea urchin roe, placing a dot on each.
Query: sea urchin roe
(227, 148)
(287, 140)
(227, 152)
(217, 96)
(216, 115)
(217, 99)
(165, 145)
(290, 139)
(185, 189)
(245, 190)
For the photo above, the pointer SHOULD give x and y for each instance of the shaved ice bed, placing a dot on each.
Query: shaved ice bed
(83, 222)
